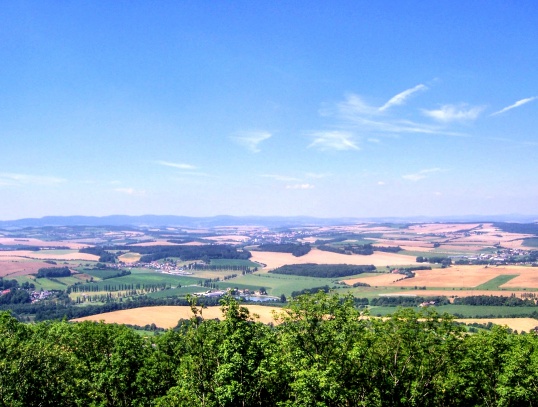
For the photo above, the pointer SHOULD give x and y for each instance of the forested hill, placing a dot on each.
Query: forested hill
(268, 221)
(322, 354)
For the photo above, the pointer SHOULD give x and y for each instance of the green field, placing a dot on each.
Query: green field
(494, 283)
(42, 283)
(531, 242)
(277, 284)
(177, 292)
(468, 311)
(233, 262)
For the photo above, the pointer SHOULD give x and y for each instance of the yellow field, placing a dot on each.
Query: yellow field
(380, 259)
(456, 277)
(41, 243)
(130, 257)
(518, 324)
(459, 293)
(168, 316)
(44, 255)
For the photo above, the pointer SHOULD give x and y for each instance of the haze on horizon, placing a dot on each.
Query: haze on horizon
(325, 109)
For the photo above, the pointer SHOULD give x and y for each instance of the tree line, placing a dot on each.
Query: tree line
(324, 352)
(323, 270)
(295, 249)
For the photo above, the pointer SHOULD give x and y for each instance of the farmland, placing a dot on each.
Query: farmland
(457, 260)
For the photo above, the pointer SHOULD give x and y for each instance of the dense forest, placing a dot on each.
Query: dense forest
(321, 354)
(187, 253)
(47, 272)
(322, 270)
(296, 249)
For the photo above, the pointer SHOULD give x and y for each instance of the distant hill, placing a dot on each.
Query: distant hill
(268, 221)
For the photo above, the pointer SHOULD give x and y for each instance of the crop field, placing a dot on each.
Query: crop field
(48, 255)
(19, 267)
(273, 260)
(130, 257)
(468, 277)
(168, 316)
(517, 324)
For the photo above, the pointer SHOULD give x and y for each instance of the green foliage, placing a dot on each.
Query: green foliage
(46, 272)
(322, 270)
(324, 352)
(296, 249)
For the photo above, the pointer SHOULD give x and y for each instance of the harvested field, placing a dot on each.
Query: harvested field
(130, 257)
(518, 324)
(380, 280)
(228, 238)
(528, 277)
(378, 259)
(168, 316)
(442, 227)
(15, 268)
(457, 293)
(48, 255)
(460, 276)
(41, 243)
(456, 276)
(155, 243)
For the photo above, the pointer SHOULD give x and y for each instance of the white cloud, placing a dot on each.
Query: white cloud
(451, 113)
(181, 166)
(334, 140)
(251, 140)
(381, 183)
(283, 178)
(13, 179)
(517, 104)
(352, 106)
(300, 186)
(421, 174)
(317, 175)
(400, 98)
(130, 191)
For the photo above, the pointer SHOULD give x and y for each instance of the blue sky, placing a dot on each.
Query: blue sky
(329, 109)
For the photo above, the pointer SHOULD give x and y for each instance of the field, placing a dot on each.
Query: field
(273, 260)
(485, 241)
(168, 316)
(461, 277)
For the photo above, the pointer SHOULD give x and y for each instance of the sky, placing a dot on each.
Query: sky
(272, 108)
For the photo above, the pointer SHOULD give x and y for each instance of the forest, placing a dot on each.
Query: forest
(322, 352)
(322, 270)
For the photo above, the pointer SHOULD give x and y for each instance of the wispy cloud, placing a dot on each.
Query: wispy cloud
(315, 175)
(131, 191)
(181, 166)
(401, 97)
(251, 140)
(451, 113)
(300, 186)
(421, 174)
(334, 140)
(13, 179)
(517, 104)
(283, 178)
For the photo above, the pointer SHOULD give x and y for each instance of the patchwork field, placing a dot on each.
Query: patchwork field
(168, 317)
(273, 260)
(458, 277)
